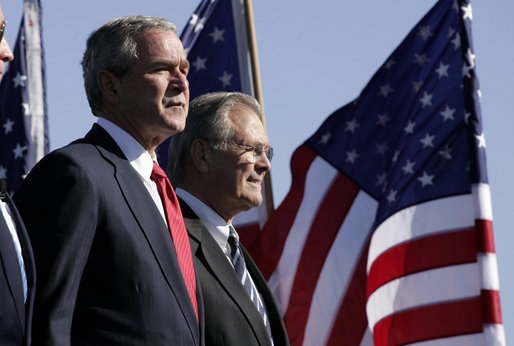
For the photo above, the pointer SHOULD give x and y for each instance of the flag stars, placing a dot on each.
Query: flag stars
(351, 156)
(385, 90)
(421, 59)
(381, 179)
(351, 125)
(416, 86)
(467, 12)
(481, 140)
(197, 22)
(392, 196)
(442, 70)
(427, 141)
(381, 148)
(426, 100)
(424, 32)
(465, 70)
(199, 63)
(446, 153)
(19, 80)
(217, 35)
(426, 179)
(451, 32)
(447, 113)
(325, 138)
(456, 41)
(3, 172)
(408, 168)
(470, 57)
(409, 129)
(26, 109)
(226, 79)
(18, 151)
(8, 126)
(389, 63)
(383, 119)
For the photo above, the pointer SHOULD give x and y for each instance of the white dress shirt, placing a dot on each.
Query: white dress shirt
(138, 157)
(215, 224)
(5, 212)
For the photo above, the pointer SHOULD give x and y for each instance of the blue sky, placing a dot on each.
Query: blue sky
(315, 56)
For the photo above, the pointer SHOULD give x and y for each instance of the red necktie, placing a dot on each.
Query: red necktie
(177, 230)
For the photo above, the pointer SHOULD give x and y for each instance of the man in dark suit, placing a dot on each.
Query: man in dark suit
(17, 271)
(100, 216)
(218, 164)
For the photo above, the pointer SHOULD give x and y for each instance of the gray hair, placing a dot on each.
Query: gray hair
(207, 119)
(113, 48)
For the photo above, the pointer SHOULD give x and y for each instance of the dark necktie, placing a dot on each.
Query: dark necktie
(239, 265)
(178, 231)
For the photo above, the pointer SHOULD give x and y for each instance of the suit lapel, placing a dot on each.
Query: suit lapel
(208, 251)
(149, 219)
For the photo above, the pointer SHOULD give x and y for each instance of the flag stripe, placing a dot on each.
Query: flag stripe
(430, 322)
(427, 253)
(318, 242)
(351, 323)
(271, 243)
(339, 271)
(485, 235)
(491, 306)
(421, 220)
(415, 290)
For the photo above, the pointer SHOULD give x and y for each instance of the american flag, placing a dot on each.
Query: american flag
(385, 236)
(24, 133)
(215, 41)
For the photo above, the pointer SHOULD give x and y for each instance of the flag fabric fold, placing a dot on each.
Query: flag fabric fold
(24, 131)
(385, 236)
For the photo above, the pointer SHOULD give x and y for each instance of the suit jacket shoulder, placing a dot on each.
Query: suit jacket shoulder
(106, 264)
(230, 316)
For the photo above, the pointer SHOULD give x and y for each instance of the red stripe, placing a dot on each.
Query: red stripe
(248, 235)
(351, 321)
(430, 322)
(317, 245)
(422, 254)
(485, 236)
(269, 246)
(491, 306)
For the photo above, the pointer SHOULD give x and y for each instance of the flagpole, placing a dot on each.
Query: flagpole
(256, 77)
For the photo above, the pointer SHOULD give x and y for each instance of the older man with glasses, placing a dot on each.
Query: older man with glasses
(217, 165)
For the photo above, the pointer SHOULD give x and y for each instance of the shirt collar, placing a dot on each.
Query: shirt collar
(136, 154)
(215, 224)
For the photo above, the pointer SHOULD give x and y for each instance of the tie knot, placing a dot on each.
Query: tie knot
(157, 172)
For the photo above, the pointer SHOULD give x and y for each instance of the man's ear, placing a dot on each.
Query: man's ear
(109, 85)
(200, 152)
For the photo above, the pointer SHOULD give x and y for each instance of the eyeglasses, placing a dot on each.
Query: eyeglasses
(258, 150)
(2, 29)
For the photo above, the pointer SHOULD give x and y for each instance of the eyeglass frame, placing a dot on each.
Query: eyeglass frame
(257, 149)
(2, 29)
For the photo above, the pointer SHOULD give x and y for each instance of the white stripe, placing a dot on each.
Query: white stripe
(35, 83)
(489, 271)
(424, 219)
(316, 187)
(338, 269)
(461, 340)
(494, 335)
(424, 288)
(245, 66)
(482, 198)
